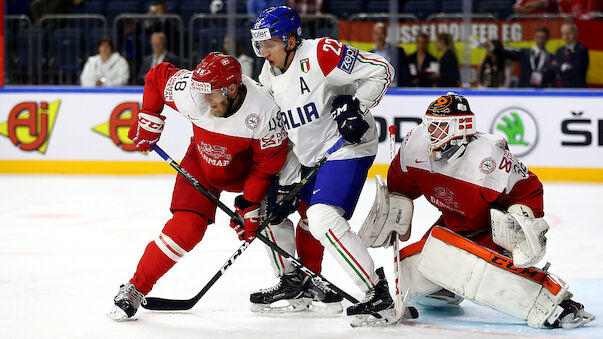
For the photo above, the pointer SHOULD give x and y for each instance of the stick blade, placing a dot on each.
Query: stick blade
(161, 304)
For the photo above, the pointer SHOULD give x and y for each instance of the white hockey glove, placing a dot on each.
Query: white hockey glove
(520, 233)
(391, 213)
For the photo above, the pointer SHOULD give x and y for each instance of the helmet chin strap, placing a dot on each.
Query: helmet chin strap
(289, 51)
(230, 111)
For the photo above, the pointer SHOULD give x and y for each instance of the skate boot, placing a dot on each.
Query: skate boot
(377, 308)
(286, 296)
(320, 298)
(127, 301)
(573, 315)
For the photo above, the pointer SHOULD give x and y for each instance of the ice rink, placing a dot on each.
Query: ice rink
(68, 242)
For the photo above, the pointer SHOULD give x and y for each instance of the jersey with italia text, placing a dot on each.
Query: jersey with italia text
(238, 153)
(486, 176)
(321, 70)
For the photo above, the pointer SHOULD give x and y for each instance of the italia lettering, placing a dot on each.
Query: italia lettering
(301, 116)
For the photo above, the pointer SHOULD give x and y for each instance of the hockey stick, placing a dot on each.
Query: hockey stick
(399, 299)
(162, 304)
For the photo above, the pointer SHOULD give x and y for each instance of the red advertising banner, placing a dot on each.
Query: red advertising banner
(516, 33)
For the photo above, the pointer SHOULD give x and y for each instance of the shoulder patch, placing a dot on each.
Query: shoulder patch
(348, 60)
(329, 53)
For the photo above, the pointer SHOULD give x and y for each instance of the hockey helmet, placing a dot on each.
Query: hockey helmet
(275, 22)
(449, 122)
(216, 72)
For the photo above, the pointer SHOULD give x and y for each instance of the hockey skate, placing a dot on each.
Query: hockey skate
(573, 315)
(377, 308)
(284, 297)
(321, 299)
(127, 301)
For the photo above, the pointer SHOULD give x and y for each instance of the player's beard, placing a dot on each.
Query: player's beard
(222, 108)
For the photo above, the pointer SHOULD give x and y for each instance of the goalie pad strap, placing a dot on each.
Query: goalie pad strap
(491, 279)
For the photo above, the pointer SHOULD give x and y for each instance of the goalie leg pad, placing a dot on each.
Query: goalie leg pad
(391, 213)
(491, 279)
(419, 288)
(283, 235)
(328, 226)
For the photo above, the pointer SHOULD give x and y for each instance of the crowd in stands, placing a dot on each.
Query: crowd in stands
(125, 62)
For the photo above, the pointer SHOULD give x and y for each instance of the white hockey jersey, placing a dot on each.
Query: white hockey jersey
(238, 153)
(321, 70)
(485, 176)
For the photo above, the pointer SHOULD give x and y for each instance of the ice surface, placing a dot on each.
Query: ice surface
(68, 242)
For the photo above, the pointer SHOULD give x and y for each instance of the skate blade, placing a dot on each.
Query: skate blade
(581, 319)
(292, 306)
(324, 308)
(382, 318)
(117, 314)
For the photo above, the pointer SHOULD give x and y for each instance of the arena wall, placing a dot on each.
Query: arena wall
(556, 133)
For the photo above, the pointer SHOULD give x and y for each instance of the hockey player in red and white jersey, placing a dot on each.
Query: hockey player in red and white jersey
(491, 231)
(238, 144)
(324, 89)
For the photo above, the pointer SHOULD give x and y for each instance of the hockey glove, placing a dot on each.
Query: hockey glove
(250, 211)
(278, 212)
(346, 112)
(146, 131)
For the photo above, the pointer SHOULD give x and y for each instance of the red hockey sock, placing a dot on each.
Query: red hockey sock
(179, 235)
(309, 249)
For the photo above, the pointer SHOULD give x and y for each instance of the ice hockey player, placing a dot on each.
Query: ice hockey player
(491, 231)
(324, 89)
(238, 144)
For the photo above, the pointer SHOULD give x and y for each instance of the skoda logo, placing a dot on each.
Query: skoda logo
(519, 128)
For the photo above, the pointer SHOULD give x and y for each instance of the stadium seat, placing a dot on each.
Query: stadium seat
(501, 8)
(116, 8)
(89, 7)
(377, 6)
(189, 8)
(344, 8)
(421, 8)
(65, 47)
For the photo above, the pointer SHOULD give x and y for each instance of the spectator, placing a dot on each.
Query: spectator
(256, 7)
(535, 6)
(107, 69)
(245, 60)
(495, 70)
(580, 9)
(161, 24)
(422, 64)
(534, 63)
(571, 61)
(390, 53)
(449, 75)
(160, 54)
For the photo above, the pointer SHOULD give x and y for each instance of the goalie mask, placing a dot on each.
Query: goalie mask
(450, 125)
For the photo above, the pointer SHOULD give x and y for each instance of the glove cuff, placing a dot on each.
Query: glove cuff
(243, 204)
(151, 123)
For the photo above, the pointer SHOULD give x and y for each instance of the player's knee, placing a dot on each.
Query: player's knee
(324, 218)
(186, 229)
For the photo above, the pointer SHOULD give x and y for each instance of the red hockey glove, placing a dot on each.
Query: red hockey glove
(146, 131)
(250, 211)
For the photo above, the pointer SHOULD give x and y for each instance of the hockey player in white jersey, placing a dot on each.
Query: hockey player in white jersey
(491, 232)
(325, 89)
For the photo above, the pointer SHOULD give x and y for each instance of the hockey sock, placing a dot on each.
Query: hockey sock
(179, 235)
(310, 250)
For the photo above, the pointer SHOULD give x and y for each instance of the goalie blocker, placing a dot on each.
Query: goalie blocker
(447, 260)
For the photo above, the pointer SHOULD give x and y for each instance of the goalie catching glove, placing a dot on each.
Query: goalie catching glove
(146, 131)
(346, 112)
(250, 211)
(520, 233)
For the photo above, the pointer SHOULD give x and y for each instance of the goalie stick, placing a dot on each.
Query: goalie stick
(399, 302)
(162, 304)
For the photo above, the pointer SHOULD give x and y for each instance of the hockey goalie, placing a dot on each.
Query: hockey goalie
(491, 231)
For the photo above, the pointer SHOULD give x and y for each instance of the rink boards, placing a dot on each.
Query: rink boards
(558, 134)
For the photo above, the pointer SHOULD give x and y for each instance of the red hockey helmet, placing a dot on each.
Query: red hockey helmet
(216, 71)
